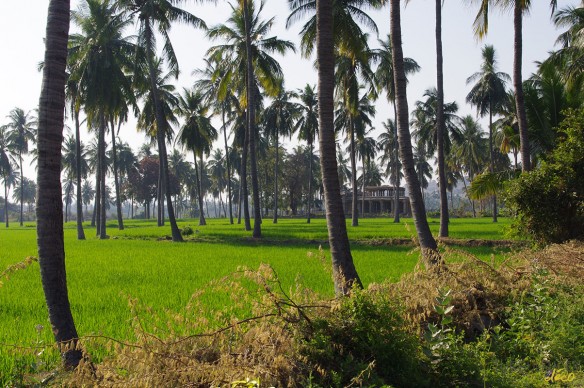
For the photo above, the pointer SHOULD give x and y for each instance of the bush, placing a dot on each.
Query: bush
(363, 342)
(549, 201)
(187, 231)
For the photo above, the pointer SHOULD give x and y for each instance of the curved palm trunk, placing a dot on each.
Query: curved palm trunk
(309, 182)
(160, 124)
(517, 83)
(116, 181)
(354, 210)
(101, 147)
(344, 272)
(257, 221)
(440, 132)
(228, 168)
(276, 182)
(49, 209)
(426, 240)
(79, 202)
(396, 169)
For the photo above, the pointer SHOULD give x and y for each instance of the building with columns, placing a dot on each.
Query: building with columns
(378, 200)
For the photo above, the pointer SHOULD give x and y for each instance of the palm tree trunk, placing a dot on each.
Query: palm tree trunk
(363, 189)
(199, 184)
(21, 190)
(116, 180)
(6, 202)
(161, 126)
(344, 272)
(103, 167)
(309, 182)
(354, 210)
(80, 231)
(491, 156)
(228, 167)
(244, 189)
(257, 222)
(51, 247)
(518, 84)
(426, 240)
(441, 127)
(396, 170)
(276, 182)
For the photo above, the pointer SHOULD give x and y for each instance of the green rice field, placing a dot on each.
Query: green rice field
(140, 262)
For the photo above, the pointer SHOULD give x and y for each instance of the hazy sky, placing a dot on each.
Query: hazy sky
(22, 28)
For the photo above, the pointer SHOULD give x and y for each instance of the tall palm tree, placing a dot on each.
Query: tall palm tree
(441, 123)
(74, 98)
(488, 95)
(350, 64)
(197, 134)
(387, 142)
(481, 27)
(344, 272)
(74, 169)
(426, 240)
(307, 126)
(247, 50)
(279, 119)
(470, 149)
(152, 15)
(367, 149)
(216, 84)
(167, 103)
(49, 208)
(22, 127)
(218, 174)
(100, 59)
(8, 170)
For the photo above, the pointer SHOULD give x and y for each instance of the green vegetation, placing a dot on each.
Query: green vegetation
(140, 263)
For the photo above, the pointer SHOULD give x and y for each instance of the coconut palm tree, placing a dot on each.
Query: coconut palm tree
(87, 193)
(100, 59)
(367, 150)
(197, 135)
(159, 15)
(471, 149)
(384, 80)
(348, 15)
(307, 126)
(350, 64)
(279, 119)
(488, 95)
(22, 128)
(216, 84)
(74, 170)
(10, 178)
(344, 272)
(167, 102)
(51, 248)
(248, 51)
(426, 240)
(481, 27)
(387, 143)
(74, 99)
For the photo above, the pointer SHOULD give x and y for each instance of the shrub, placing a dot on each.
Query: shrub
(549, 201)
(187, 231)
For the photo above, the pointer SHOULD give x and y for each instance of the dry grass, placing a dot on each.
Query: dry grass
(223, 348)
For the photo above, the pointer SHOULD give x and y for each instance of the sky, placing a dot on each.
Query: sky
(23, 23)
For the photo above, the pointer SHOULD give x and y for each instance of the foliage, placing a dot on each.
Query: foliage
(363, 341)
(549, 201)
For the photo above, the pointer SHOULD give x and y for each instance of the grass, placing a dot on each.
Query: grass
(137, 263)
